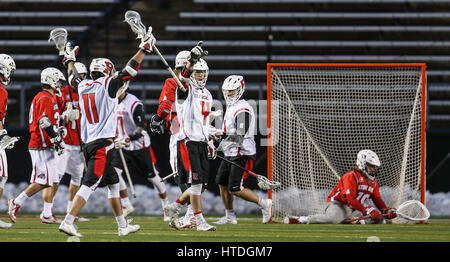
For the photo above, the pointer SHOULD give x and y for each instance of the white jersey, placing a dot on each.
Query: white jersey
(125, 122)
(97, 109)
(193, 115)
(248, 147)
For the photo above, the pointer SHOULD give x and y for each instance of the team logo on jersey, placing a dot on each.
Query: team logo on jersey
(41, 176)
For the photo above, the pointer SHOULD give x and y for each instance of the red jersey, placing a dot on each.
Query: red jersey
(43, 104)
(3, 103)
(353, 190)
(73, 127)
(169, 93)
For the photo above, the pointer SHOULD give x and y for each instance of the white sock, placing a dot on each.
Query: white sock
(125, 201)
(199, 218)
(69, 205)
(164, 201)
(230, 213)
(262, 203)
(47, 209)
(121, 221)
(69, 219)
(189, 211)
(20, 199)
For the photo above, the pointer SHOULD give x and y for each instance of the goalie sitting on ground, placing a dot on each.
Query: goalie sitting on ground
(347, 199)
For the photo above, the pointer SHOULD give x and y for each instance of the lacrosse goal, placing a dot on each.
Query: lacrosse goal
(321, 115)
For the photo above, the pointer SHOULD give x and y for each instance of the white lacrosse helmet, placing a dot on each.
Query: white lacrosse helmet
(103, 66)
(233, 82)
(81, 68)
(367, 157)
(201, 65)
(181, 58)
(7, 67)
(52, 76)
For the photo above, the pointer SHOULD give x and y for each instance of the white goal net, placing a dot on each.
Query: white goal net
(321, 116)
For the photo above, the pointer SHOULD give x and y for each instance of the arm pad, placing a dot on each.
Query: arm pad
(45, 124)
(130, 70)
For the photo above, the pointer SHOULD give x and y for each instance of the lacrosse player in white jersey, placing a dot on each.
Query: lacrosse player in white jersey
(98, 102)
(239, 147)
(194, 150)
(135, 143)
(7, 68)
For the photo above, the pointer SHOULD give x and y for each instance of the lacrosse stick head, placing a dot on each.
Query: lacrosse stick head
(412, 211)
(59, 37)
(266, 184)
(133, 18)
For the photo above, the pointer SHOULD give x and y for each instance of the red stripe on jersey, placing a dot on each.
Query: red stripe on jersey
(106, 81)
(100, 162)
(248, 166)
(185, 156)
(239, 110)
(94, 107)
(3, 168)
(152, 154)
(134, 105)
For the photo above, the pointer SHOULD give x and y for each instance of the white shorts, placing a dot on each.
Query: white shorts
(3, 169)
(71, 162)
(44, 167)
(173, 152)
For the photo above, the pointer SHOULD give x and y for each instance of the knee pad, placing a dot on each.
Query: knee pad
(84, 192)
(75, 180)
(160, 186)
(196, 189)
(113, 191)
(122, 185)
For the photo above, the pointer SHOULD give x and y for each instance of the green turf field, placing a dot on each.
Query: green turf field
(249, 229)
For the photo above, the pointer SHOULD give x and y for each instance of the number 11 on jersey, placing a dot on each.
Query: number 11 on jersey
(89, 105)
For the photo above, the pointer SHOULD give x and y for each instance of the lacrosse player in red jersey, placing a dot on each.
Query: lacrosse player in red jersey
(98, 102)
(167, 113)
(46, 140)
(7, 68)
(194, 149)
(347, 199)
(239, 146)
(71, 161)
(135, 143)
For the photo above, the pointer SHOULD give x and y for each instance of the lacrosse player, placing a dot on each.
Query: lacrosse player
(7, 68)
(167, 112)
(71, 161)
(238, 146)
(46, 140)
(347, 199)
(194, 150)
(136, 145)
(98, 102)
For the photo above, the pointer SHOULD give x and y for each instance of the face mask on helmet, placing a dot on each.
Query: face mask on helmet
(232, 88)
(182, 58)
(81, 69)
(7, 68)
(54, 78)
(101, 67)
(200, 73)
(368, 162)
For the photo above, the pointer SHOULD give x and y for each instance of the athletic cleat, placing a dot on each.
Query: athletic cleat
(187, 222)
(5, 225)
(205, 227)
(48, 220)
(267, 211)
(226, 220)
(69, 229)
(12, 210)
(127, 210)
(166, 216)
(172, 211)
(81, 219)
(123, 231)
(291, 220)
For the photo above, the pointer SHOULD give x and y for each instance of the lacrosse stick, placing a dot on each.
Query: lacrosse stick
(169, 176)
(263, 182)
(7, 141)
(59, 37)
(411, 210)
(133, 18)
(127, 173)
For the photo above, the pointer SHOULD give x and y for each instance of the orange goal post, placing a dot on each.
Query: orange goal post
(320, 115)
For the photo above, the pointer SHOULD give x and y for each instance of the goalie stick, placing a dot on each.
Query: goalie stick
(133, 18)
(169, 176)
(263, 182)
(412, 210)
